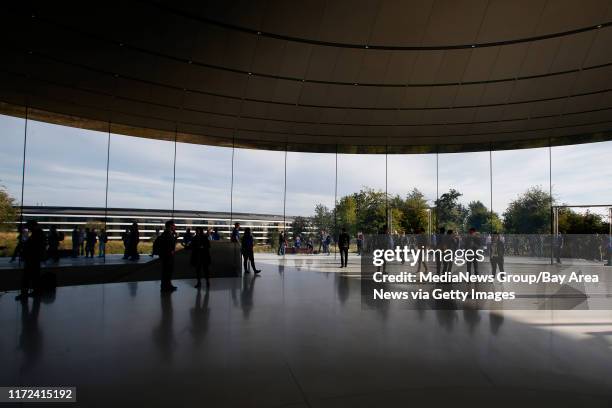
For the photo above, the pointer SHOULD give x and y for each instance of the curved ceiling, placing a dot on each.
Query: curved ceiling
(341, 75)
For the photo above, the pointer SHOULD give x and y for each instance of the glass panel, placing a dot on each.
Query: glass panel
(259, 184)
(11, 167)
(311, 179)
(362, 205)
(464, 186)
(521, 181)
(581, 176)
(140, 177)
(412, 189)
(65, 166)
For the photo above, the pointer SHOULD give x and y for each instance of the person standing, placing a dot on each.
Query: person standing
(200, 256)
(473, 242)
(82, 236)
(359, 243)
(165, 246)
(125, 238)
(235, 237)
(53, 240)
(421, 241)
(102, 239)
(75, 241)
(134, 240)
(215, 234)
(156, 234)
(90, 242)
(187, 237)
(344, 241)
(497, 253)
(22, 237)
(281, 244)
(247, 251)
(33, 253)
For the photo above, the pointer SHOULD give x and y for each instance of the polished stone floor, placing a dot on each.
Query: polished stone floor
(111, 259)
(298, 336)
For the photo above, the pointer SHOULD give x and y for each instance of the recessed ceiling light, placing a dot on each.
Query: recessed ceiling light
(355, 84)
(473, 46)
(367, 46)
(250, 73)
(599, 26)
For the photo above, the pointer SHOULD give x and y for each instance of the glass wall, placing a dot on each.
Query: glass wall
(310, 195)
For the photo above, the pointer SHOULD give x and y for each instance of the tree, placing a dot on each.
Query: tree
(300, 225)
(323, 219)
(8, 214)
(481, 218)
(449, 212)
(571, 222)
(529, 213)
(346, 215)
(414, 211)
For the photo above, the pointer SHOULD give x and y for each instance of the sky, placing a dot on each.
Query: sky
(67, 167)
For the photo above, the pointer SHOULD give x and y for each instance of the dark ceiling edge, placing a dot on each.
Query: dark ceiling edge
(314, 81)
(148, 133)
(247, 30)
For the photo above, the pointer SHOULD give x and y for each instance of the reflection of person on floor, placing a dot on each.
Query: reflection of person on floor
(497, 253)
(163, 335)
(246, 295)
(30, 340)
(165, 246)
(199, 317)
(33, 253)
(344, 241)
(200, 256)
(247, 250)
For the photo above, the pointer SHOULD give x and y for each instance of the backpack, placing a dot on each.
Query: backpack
(157, 245)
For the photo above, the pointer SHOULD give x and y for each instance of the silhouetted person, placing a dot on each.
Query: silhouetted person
(76, 236)
(165, 246)
(281, 244)
(91, 238)
(473, 242)
(421, 241)
(344, 241)
(133, 242)
(451, 243)
(21, 239)
(33, 254)
(156, 234)
(497, 253)
(125, 238)
(53, 240)
(103, 239)
(215, 235)
(557, 246)
(187, 237)
(235, 236)
(82, 236)
(247, 250)
(200, 256)
(439, 245)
